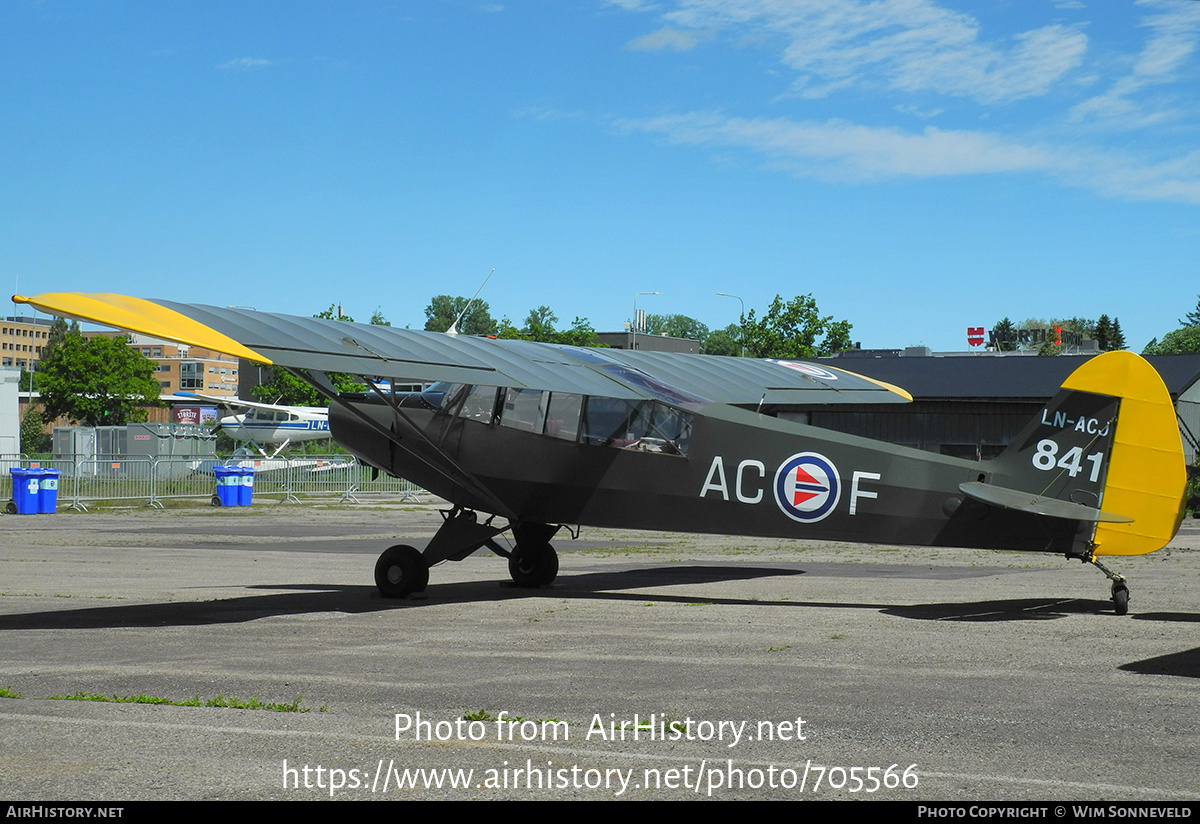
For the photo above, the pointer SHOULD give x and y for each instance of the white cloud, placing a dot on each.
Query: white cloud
(908, 56)
(841, 150)
(668, 39)
(914, 111)
(246, 63)
(907, 45)
(1171, 44)
(538, 112)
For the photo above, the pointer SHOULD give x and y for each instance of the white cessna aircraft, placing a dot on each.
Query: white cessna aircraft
(265, 424)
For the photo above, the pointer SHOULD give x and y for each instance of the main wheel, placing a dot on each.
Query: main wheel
(401, 571)
(1120, 598)
(533, 565)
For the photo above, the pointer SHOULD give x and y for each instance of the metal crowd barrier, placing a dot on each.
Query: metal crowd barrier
(153, 480)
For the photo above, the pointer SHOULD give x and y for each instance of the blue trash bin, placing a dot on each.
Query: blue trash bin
(246, 487)
(228, 480)
(26, 488)
(48, 491)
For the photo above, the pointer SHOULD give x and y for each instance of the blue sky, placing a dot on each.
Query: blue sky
(919, 167)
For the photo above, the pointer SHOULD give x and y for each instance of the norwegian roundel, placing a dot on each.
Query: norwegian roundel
(807, 487)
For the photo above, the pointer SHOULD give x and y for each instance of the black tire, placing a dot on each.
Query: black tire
(533, 565)
(216, 501)
(1121, 600)
(11, 507)
(401, 571)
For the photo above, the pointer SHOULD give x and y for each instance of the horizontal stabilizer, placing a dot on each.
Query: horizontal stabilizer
(1028, 502)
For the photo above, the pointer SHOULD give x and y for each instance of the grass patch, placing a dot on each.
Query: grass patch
(218, 701)
(9, 692)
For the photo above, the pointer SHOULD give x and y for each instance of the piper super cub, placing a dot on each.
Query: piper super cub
(527, 438)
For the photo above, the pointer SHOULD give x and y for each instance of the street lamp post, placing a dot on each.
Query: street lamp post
(741, 320)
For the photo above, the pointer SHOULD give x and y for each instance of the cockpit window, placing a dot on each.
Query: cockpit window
(636, 426)
(563, 415)
(641, 426)
(480, 404)
(436, 393)
(524, 409)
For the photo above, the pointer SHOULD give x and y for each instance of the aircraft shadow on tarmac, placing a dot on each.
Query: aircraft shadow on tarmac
(1185, 664)
(318, 598)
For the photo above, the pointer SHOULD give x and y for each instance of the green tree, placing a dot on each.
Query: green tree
(581, 333)
(677, 326)
(443, 310)
(1039, 334)
(1004, 334)
(1116, 338)
(377, 319)
(1102, 332)
(1049, 347)
(1183, 341)
(284, 388)
(30, 381)
(334, 312)
(539, 324)
(727, 341)
(1192, 318)
(58, 330)
(34, 438)
(794, 330)
(98, 381)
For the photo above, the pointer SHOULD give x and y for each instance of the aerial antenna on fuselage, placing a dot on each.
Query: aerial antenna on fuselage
(453, 330)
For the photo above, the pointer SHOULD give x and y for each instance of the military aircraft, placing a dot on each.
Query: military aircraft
(529, 438)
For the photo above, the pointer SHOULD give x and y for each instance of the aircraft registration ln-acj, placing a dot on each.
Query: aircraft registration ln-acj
(529, 438)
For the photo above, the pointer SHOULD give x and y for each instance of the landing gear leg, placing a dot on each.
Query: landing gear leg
(401, 571)
(1120, 587)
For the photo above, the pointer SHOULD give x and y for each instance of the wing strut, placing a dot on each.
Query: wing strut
(322, 384)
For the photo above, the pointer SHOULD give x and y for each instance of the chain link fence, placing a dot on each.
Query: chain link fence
(150, 481)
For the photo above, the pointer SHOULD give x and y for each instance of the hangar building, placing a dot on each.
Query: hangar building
(972, 405)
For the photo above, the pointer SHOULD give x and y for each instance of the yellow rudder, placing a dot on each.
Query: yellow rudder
(1146, 472)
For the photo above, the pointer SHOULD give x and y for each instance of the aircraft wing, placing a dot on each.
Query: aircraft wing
(230, 401)
(382, 351)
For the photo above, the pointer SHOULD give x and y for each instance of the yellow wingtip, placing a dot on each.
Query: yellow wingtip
(891, 387)
(138, 315)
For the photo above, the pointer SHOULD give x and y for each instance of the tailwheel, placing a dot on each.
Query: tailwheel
(401, 571)
(1120, 596)
(533, 564)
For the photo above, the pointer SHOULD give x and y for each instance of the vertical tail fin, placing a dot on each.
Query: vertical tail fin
(1109, 441)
